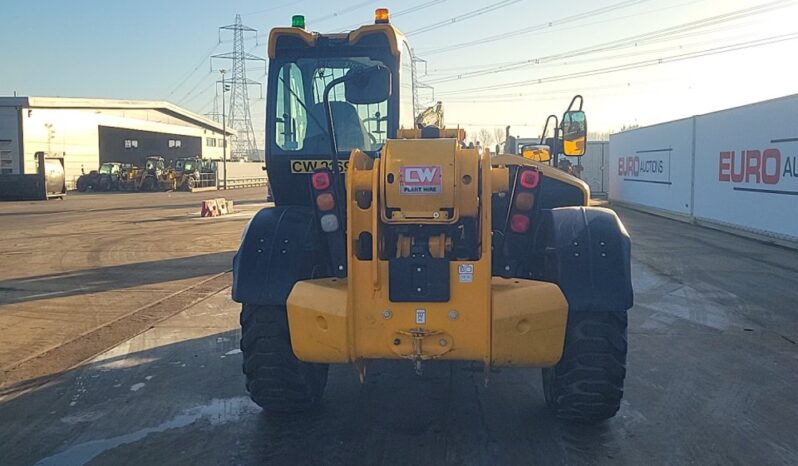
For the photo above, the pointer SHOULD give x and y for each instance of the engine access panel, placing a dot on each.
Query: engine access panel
(429, 181)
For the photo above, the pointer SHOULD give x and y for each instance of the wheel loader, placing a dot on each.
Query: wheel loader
(155, 176)
(187, 173)
(390, 240)
(107, 178)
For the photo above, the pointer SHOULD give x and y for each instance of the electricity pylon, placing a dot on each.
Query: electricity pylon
(244, 145)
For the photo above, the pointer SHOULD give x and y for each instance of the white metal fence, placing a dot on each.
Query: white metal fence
(241, 175)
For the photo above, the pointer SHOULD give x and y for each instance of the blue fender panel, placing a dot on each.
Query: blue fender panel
(279, 248)
(588, 254)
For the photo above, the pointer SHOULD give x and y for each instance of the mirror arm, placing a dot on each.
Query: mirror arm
(336, 179)
(581, 101)
(546, 127)
(330, 125)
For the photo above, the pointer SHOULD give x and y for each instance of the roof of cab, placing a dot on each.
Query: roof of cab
(395, 38)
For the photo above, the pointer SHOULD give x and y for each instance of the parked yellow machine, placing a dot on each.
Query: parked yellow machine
(153, 176)
(411, 246)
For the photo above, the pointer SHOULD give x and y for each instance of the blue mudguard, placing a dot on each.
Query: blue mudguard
(280, 246)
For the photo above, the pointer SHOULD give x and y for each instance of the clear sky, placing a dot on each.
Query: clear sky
(630, 59)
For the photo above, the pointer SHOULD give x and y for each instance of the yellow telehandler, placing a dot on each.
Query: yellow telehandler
(391, 240)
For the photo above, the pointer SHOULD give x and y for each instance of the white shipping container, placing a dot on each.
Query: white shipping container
(746, 172)
(734, 168)
(652, 166)
(595, 164)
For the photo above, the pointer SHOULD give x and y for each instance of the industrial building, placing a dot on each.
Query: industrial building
(89, 132)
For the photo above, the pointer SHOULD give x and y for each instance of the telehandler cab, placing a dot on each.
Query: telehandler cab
(393, 241)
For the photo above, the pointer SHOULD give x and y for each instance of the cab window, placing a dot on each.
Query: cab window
(300, 119)
(290, 115)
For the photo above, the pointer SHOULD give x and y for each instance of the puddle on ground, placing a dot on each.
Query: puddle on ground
(218, 411)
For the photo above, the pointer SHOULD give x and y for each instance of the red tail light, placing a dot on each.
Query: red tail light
(529, 179)
(519, 223)
(320, 181)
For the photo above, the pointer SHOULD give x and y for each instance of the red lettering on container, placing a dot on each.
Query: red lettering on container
(775, 156)
(724, 166)
(753, 166)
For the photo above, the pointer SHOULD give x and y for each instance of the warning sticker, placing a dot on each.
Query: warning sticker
(421, 179)
(466, 273)
(421, 316)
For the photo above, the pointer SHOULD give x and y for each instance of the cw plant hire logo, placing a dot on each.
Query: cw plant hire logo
(421, 179)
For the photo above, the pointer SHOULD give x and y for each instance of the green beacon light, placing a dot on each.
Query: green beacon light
(298, 21)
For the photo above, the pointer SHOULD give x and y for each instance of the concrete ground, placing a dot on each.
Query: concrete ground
(70, 267)
(712, 371)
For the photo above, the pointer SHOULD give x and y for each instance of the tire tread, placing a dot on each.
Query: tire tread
(275, 379)
(587, 384)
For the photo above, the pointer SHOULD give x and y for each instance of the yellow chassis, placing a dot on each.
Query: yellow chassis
(502, 322)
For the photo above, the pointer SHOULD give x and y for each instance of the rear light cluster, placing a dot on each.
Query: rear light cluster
(526, 190)
(325, 201)
(326, 198)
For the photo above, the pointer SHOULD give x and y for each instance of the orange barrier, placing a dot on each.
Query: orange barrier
(210, 208)
(222, 204)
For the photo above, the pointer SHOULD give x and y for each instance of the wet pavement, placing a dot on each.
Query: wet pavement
(713, 367)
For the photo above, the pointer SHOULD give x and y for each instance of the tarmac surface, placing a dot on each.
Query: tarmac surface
(712, 371)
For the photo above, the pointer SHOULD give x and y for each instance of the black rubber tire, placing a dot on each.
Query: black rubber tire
(82, 185)
(149, 185)
(104, 184)
(587, 384)
(276, 380)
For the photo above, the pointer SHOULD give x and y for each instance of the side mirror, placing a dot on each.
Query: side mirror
(574, 133)
(539, 153)
(368, 86)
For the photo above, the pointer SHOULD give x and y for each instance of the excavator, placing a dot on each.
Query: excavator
(389, 239)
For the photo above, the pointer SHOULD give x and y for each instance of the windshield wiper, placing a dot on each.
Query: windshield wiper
(307, 111)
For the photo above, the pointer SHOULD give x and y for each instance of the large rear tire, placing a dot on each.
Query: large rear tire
(104, 184)
(276, 380)
(587, 384)
(149, 185)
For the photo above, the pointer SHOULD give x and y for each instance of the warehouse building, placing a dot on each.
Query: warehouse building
(89, 132)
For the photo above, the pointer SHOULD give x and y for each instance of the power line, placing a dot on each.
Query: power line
(400, 13)
(635, 65)
(537, 27)
(342, 11)
(272, 8)
(416, 8)
(194, 70)
(521, 97)
(189, 98)
(483, 66)
(633, 41)
(633, 54)
(444, 70)
(463, 17)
